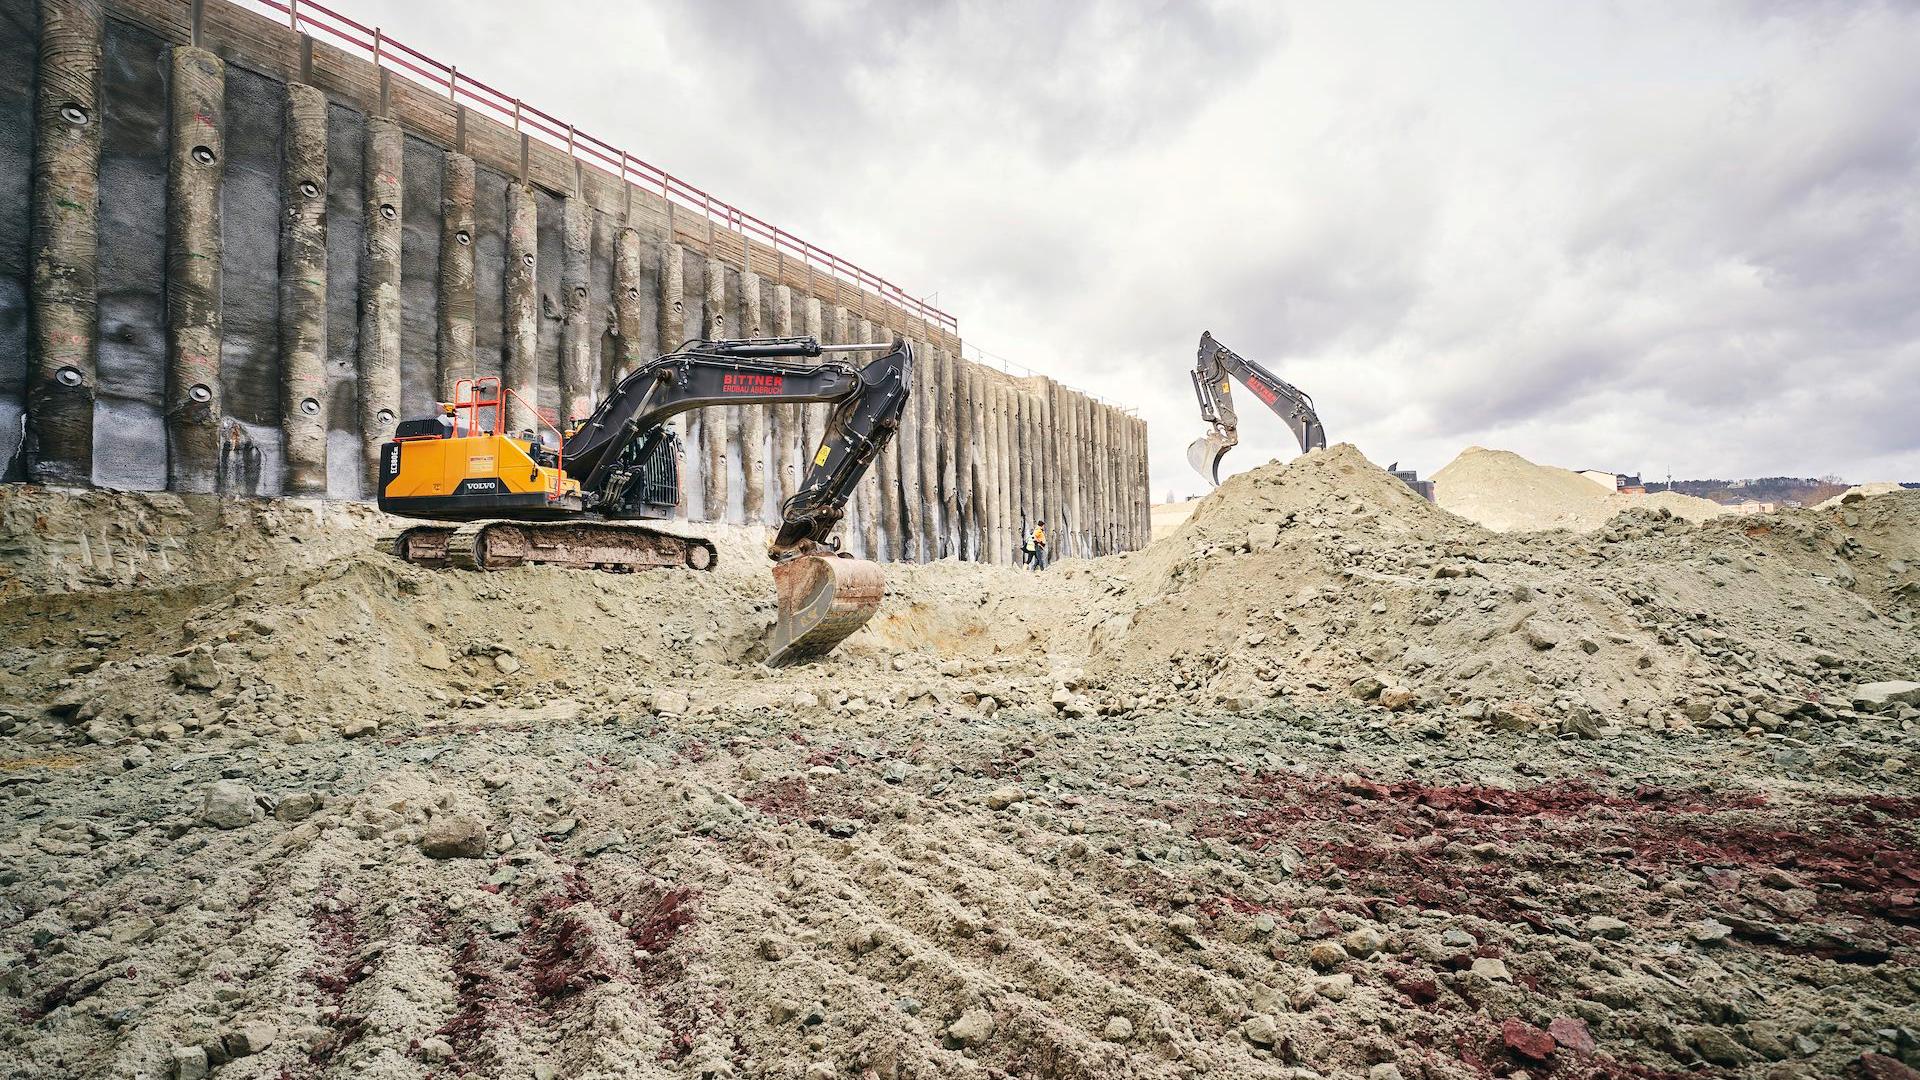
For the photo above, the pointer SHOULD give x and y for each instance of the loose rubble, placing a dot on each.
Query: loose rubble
(1328, 783)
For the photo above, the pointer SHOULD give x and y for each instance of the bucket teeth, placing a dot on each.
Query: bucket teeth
(822, 599)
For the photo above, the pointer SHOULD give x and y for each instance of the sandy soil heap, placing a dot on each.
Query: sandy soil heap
(1330, 783)
(1505, 492)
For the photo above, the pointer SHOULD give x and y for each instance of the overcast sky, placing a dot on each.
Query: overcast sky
(1654, 236)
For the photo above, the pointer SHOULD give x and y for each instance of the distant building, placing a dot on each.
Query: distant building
(1753, 506)
(1612, 481)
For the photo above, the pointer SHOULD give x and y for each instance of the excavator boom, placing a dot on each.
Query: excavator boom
(1212, 370)
(572, 502)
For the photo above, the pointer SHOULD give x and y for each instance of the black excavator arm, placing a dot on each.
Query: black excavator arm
(1211, 370)
(614, 448)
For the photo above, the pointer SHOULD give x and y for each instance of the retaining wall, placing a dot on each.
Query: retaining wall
(230, 261)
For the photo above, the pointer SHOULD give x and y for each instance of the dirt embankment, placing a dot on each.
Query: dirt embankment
(1329, 783)
(1502, 491)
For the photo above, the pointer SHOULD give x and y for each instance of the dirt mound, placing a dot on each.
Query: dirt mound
(1317, 784)
(1327, 576)
(1860, 491)
(68, 541)
(1505, 492)
(1331, 488)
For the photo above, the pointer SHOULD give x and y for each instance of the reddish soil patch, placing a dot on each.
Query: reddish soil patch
(574, 937)
(339, 938)
(1467, 848)
(792, 798)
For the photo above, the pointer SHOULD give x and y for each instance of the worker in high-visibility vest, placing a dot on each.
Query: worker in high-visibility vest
(1037, 547)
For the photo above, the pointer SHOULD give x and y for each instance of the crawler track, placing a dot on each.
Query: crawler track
(581, 545)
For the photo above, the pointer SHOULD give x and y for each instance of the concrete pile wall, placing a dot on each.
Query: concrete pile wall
(230, 266)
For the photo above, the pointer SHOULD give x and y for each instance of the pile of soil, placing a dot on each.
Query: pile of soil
(1502, 491)
(1328, 783)
(1327, 575)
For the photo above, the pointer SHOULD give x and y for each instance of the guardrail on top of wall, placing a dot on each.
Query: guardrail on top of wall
(372, 44)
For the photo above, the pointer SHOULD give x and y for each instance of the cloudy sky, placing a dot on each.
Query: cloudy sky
(1654, 236)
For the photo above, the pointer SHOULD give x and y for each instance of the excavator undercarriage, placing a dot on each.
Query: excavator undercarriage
(583, 545)
(514, 499)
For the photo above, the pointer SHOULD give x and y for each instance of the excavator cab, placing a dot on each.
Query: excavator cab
(459, 466)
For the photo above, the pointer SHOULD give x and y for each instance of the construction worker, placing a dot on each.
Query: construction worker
(1037, 547)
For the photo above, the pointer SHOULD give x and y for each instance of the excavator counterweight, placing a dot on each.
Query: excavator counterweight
(518, 499)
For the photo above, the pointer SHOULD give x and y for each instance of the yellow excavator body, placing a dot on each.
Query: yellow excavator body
(471, 475)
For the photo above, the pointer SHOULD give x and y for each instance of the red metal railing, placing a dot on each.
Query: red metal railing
(371, 43)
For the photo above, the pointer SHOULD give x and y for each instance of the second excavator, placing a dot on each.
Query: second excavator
(574, 500)
(1210, 373)
(1213, 369)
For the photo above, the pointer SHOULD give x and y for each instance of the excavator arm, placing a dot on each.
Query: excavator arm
(1211, 371)
(823, 595)
(867, 403)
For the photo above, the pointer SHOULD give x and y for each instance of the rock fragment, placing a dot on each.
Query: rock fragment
(1260, 1030)
(1606, 926)
(190, 1063)
(228, 804)
(1334, 987)
(1491, 969)
(1572, 1034)
(454, 836)
(974, 1027)
(1526, 1040)
(199, 671)
(1709, 932)
(297, 807)
(1877, 695)
(248, 1038)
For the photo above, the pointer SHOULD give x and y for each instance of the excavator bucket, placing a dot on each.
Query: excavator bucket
(1205, 454)
(822, 600)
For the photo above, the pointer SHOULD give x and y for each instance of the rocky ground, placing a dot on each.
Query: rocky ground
(1328, 783)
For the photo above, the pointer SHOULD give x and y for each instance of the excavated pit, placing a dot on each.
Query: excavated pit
(1328, 782)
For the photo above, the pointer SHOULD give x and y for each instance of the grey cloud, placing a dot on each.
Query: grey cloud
(1683, 234)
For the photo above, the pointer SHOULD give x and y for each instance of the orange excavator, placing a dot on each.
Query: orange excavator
(514, 498)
